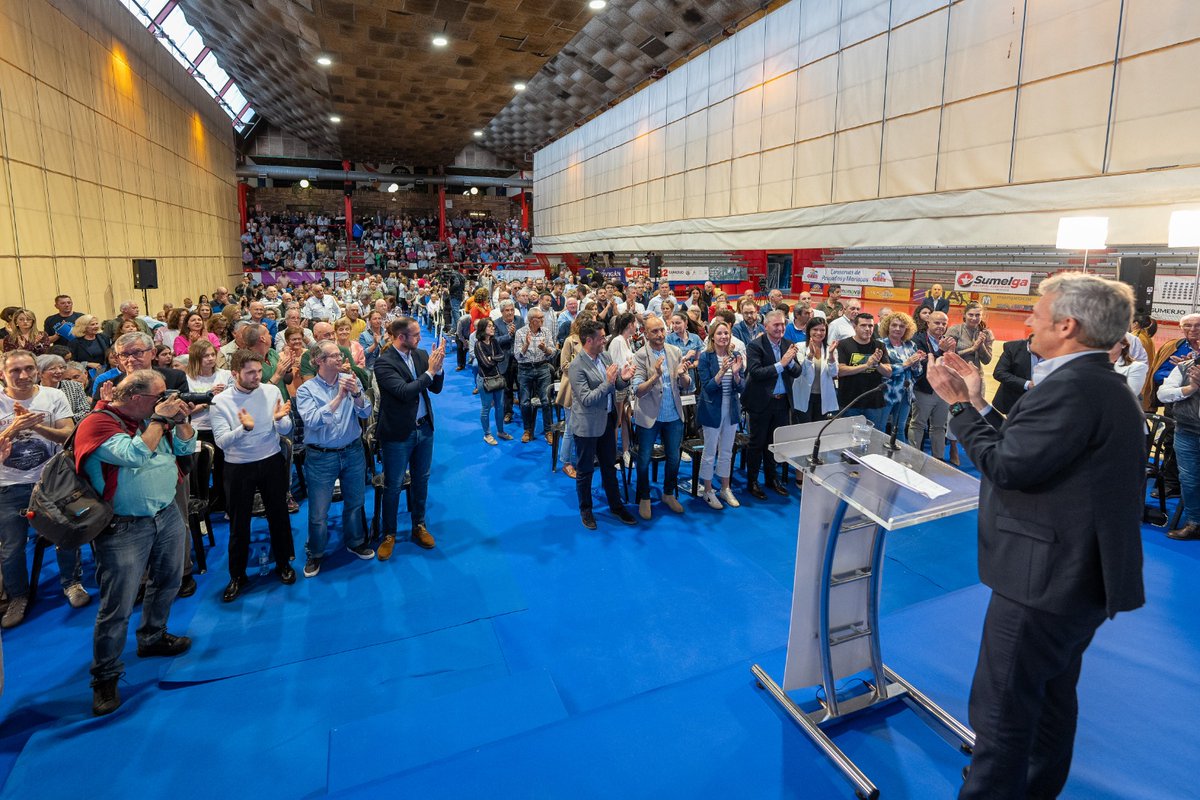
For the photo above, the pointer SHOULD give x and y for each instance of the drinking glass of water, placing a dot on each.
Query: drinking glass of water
(860, 434)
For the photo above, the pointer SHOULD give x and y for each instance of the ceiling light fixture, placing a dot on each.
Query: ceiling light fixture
(474, 190)
(440, 41)
(596, 5)
(324, 61)
(520, 87)
(477, 134)
(304, 184)
(335, 119)
(394, 187)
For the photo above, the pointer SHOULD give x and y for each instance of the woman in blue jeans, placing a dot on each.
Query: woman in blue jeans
(488, 356)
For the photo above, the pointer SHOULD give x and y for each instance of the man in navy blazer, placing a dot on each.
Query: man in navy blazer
(1014, 371)
(406, 375)
(772, 363)
(934, 300)
(1060, 546)
(506, 330)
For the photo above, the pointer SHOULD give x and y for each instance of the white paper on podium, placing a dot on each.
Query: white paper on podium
(898, 473)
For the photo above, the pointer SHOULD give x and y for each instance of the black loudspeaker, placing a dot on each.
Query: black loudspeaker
(655, 266)
(145, 273)
(1139, 274)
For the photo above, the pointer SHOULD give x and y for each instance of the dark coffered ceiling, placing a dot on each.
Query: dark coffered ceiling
(402, 100)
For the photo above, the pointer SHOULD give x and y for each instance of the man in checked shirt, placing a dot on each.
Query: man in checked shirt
(534, 348)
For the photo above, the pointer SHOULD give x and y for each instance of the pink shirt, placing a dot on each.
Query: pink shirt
(183, 344)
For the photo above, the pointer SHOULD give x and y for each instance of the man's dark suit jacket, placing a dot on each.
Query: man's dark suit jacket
(506, 340)
(940, 304)
(1060, 507)
(1014, 368)
(399, 391)
(921, 342)
(761, 374)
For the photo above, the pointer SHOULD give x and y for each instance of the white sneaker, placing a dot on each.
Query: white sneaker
(711, 498)
(685, 458)
(15, 614)
(77, 596)
(730, 500)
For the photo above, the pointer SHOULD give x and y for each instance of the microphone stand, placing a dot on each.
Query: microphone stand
(814, 460)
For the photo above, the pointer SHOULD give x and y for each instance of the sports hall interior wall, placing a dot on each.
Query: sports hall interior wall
(280, 200)
(109, 151)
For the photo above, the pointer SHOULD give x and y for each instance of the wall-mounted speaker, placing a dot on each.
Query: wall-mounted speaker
(1139, 274)
(145, 273)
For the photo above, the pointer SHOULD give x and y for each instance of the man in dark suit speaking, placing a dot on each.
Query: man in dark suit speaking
(1059, 529)
(406, 375)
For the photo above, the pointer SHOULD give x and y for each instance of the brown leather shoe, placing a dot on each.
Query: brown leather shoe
(526, 437)
(1189, 531)
(672, 502)
(569, 471)
(384, 551)
(422, 537)
(644, 509)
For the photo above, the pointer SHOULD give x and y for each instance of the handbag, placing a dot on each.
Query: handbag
(493, 383)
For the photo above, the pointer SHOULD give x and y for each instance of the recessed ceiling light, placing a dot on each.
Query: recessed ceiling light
(596, 5)
(335, 119)
(324, 61)
(474, 190)
(520, 87)
(477, 134)
(440, 41)
(394, 187)
(304, 183)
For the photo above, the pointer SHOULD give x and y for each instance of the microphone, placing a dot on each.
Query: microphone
(815, 459)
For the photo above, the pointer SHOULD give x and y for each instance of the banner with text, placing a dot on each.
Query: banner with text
(1172, 297)
(856, 276)
(993, 282)
(885, 294)
(518, 274)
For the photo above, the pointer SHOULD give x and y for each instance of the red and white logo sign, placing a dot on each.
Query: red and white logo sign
(1001, 282)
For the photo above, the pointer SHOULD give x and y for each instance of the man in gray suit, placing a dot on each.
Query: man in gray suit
(594, 383)
(660, 378)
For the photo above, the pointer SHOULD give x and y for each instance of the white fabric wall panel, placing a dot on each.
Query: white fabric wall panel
(675, 147)
(639, 203)
(720, 132)
(1156, 121)
(656, 100)
(673, 188)
(985, 39)
(721, 62)
(656, 153)
(860, 97)
(697, 139)
(908, 10)
(862, 19)
(717, 190)
(744, 185)
(813, 169)
(857, 164)
(694, 205)
(747, 122)
(816, 99)
(776, 171)
(915, 64)
(910, 154)
(655, 197)
(749, 52)
(622, 173)
(1151, 24)
(781, 49)
(976, 142)
(779, 112)
(1065, 35)
(639, 150)
(818, 30)
(675, 87)
(623, 200)
(698, 80)
(1061, 125)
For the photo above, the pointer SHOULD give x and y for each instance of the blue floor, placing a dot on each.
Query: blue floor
(528, 657)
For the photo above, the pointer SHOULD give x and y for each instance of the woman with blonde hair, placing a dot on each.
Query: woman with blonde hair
(204, 376)
(89, 346)
(343, 331)
(906, 360)
(24, 334)
(721, 370)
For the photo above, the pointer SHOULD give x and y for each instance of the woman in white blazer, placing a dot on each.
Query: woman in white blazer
(1124, 363)
(813, 393)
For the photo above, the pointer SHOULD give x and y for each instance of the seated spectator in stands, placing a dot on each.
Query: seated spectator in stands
(721, 374)
(130, 311)
(655, 305)
(166, 334)
(1135, 372)
(163, 356)
(343, 333)
(1181, 391)
(750, 326)
(907, 366)
(193, 331)
(934, 300)
(774, 301)
(257, 313)
(862, 365)
(24, 334)
(54, 371)
(65, 315)
(814, 395)
(293, 320)
(661, 376)
(320, 307)
(205, 311)
(220, 299)
(1176, 351)
(218, 326)
(89, 346)
(373, 339)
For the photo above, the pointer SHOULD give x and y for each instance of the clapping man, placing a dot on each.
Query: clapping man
(772, 363)
(862, 365)
(534, 349)
(661, 376)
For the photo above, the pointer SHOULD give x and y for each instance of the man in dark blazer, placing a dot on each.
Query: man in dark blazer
(772, 363)
(1014, 371)
(1060, 546)
(406, 375)
(934, 300)
(506, 330)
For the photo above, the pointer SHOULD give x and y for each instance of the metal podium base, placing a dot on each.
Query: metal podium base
(897, 689)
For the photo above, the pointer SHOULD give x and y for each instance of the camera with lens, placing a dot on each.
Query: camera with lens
(192, 398)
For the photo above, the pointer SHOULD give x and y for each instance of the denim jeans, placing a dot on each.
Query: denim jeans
(14, 534)
(534, 380)
(321, 469)
(897, 414)
(1187, 453)
(414, 454)
(131, 547)
(876, 416)
(566, 451)
(488, 401)
(671, 434)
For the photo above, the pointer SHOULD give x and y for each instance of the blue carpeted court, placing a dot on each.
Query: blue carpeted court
(528, 657)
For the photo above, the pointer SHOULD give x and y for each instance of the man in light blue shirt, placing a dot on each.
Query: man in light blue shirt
(331, 405)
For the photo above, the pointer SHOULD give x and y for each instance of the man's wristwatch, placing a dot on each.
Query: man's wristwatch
(958, 408)
(166, 422)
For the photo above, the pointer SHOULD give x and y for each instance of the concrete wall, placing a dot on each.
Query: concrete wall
(109, 151)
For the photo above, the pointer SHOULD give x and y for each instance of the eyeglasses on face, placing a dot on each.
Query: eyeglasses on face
(134, 353)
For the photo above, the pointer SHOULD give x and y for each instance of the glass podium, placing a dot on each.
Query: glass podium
(858, 487)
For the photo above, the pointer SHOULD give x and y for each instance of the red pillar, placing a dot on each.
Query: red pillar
(524, 212)
(243, 204)
(349, 208)
(442, 212)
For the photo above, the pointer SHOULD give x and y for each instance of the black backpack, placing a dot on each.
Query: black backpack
(65, 508)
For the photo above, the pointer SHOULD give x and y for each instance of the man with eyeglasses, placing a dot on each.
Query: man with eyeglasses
(128, 453)
(331, 405)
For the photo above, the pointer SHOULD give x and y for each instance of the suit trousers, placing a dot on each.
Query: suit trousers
(604, 448)
(762, 429)
(1023, 705)
(510, 386)
(270, 479)
(933, 412)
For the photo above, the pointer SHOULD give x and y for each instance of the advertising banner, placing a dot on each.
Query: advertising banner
(993, 282)
(1008, 302)
(1172, 297)
(686, 274)
(889, 295)
(521, 274)
(856, 276)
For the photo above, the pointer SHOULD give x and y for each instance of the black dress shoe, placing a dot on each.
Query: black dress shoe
(778, 488)
(588, 519)
(234, 589)
(187, 587)
(1188, 531)
(1172, 491)
(167, 645)
(287, 575)
(105, 697)
(756, 492)
(624, 516)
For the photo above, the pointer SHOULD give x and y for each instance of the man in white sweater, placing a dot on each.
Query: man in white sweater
(247, 420)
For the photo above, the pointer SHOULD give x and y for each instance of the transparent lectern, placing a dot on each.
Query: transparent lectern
(858, 489)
